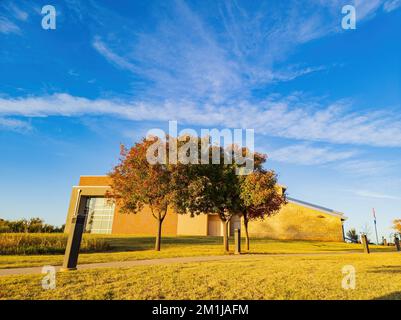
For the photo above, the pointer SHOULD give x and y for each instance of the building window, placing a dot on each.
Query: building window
(100, 215)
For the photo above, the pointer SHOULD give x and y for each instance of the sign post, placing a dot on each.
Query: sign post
(365, 244)
(74, 237)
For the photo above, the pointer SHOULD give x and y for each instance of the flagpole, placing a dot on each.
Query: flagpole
(374, 217)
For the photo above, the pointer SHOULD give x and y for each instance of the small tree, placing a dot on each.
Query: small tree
(261, 197)
(353, 235)
(211, 187)
(137, 182)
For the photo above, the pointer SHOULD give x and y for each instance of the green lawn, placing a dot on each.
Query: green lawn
(125, 248)
(378, 276)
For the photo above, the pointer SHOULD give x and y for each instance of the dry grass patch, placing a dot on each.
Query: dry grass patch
(45, 243)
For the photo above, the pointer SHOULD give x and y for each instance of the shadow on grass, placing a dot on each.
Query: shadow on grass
(391, 296)
(386, 269)
(118, 244)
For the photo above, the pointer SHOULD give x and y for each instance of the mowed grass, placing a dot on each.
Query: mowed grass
(378, 276)
(124, 248)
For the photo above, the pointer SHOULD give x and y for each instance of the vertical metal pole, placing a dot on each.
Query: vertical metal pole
(74, 237)
(237, 240)
(365, 244)
(374, 217)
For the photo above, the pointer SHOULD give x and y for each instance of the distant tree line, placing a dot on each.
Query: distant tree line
(33, 225)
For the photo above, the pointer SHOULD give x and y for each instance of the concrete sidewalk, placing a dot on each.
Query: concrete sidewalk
(134, 263)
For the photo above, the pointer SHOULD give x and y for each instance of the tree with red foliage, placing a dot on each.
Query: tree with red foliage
(261, 197)
(137, 182)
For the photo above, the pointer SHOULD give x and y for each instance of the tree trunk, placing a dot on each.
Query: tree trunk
(225, 236)
(246, 233)
(159, 234)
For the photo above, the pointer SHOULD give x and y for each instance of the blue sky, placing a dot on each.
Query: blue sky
(324, 102)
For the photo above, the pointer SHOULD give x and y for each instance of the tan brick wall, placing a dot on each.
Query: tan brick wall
(297, 222)
(192, 226)
(94, 181)
(143, 223)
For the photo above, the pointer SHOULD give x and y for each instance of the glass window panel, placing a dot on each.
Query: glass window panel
(100, 215)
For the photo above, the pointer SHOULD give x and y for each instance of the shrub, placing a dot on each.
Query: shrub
(40, 243)
(353, 235)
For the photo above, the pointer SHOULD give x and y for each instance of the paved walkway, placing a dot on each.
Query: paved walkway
(134, 263)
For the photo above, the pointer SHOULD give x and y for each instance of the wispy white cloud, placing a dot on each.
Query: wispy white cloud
(305, 154)
(346, 162)
(17, 12)
(187, 63)
(289, 117)
(365, 9)
(14, 124)
(199, 75)
(363, 167)
(391, 5)
(73, 73)
(374, 195)
(112, 57)
(7, 26)
(186, 57)
(11, 14)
